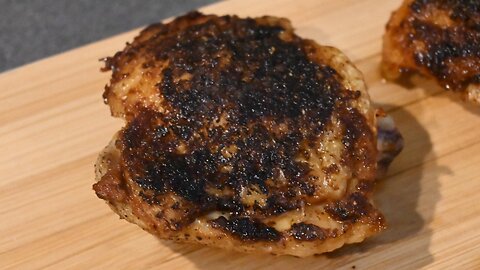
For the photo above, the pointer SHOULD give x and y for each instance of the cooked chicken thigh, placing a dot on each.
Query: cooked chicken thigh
(439, 39)
(241, 135)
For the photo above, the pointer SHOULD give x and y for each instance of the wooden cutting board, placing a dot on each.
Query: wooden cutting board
(53, 123)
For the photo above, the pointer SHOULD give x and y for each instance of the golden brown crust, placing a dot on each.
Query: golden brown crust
(440, 39)
(241, 135)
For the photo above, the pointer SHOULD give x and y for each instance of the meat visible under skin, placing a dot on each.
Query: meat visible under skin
(439, 39)
(241, 135)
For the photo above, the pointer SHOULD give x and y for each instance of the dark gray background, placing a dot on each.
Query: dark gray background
(30, 30)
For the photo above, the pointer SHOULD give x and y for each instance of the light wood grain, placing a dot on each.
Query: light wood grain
(53, 123)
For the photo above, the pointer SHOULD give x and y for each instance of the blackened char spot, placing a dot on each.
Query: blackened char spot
(282, 203)
(246, 229)
(307, 232)
(350, 209)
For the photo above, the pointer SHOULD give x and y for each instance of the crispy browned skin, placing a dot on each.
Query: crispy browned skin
(440, 39)
(240, 135)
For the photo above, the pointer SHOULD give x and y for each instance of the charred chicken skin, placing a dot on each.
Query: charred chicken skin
(241, 135)
(440, 39)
